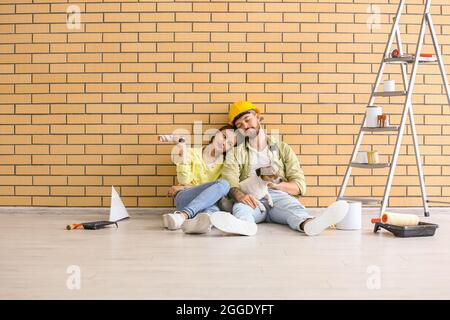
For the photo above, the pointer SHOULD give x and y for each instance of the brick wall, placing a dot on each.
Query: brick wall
(80, 109)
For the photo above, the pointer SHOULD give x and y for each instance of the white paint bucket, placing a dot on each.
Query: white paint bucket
(372, 113)
(352, 220)
(389, 85)
(361, 157)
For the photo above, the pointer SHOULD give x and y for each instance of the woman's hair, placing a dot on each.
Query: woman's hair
(225, 127)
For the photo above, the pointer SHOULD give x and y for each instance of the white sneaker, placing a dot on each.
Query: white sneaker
(226, 222)
(332, 215)
(199, 224)
(165, 222)
(174, 220)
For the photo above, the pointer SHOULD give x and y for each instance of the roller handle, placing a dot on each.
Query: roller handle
(375, 220)
(74, 226)
(376, 227)
(425, 55)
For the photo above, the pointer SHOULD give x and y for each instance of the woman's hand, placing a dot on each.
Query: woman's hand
(183, 152)
(242, 197)
(249, 200)
(173, 190)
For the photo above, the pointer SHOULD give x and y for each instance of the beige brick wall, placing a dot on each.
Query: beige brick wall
(80, 109)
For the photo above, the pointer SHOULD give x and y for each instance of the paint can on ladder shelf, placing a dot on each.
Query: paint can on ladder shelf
(372, 113)
(352, 220)
(389, 85)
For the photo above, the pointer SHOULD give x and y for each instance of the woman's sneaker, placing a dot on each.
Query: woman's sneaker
(332, 215)
(199, 224)
(165, 221)
(173, 220)
(226, 222)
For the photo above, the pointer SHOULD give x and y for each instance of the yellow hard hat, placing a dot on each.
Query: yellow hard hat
(240, 107)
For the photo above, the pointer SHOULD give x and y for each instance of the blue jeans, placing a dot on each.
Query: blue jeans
(286, 210)
(202, 198)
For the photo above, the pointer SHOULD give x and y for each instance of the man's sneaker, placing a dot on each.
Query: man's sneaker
(332, 215)
(199, 224)
(226, 222)
(174, 220)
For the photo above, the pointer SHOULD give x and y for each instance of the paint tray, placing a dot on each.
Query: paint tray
(423, 229)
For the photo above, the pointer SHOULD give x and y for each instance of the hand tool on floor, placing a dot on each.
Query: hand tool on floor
(90, 225)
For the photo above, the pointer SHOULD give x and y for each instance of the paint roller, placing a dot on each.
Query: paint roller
(172, 138)
(396, 54)
(398, 219)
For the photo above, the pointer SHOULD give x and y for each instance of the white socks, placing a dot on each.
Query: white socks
(332, 215)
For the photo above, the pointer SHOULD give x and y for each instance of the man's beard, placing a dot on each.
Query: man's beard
(251, 132)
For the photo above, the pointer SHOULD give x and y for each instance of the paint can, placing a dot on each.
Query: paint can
(383, 120)
(389, 85)
(372, 113)
(373, 157)
(361, 157)
(352, 220)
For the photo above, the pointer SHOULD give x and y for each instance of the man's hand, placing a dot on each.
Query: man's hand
(288, 187)
(242, 197)
(173, 190)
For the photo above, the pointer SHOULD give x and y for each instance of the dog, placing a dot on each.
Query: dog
(257, 185)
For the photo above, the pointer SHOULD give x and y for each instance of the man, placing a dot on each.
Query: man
(261, 150)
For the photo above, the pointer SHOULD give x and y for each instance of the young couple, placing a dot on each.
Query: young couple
(215, 171)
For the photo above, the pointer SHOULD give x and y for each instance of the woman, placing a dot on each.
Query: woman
(200, 187)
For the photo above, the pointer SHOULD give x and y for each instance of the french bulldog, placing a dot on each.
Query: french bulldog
(256, 185)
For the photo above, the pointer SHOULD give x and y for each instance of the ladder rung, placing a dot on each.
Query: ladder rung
(409, 60)
(389, 93)
(380, 129)
(362, 200)
(370, 165)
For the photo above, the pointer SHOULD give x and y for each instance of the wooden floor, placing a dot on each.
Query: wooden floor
(140, 260)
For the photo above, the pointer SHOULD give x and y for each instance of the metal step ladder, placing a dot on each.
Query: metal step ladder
(403, 61)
